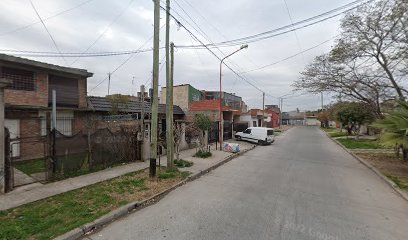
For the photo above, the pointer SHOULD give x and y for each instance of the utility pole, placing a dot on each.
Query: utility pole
(142, 129)
(281, 112)
(155, 104)
(169, 93)
(322, 99)
(133, 82)
(109, 78)
(263, 109)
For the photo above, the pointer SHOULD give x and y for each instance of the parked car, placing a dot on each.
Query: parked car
(260, 135)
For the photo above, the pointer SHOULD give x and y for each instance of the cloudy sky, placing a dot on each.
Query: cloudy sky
(124, 25)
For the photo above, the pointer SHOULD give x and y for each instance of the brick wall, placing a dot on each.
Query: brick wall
(31, 142)
(39, 97)
(180, 96)
(82, 86)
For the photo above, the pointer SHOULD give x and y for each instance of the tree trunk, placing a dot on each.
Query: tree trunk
(405, 154)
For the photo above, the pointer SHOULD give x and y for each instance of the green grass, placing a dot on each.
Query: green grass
(360, 144)
(337, 134)
(329, 129)
(51, 217)
(173, 173)
(183, 163)
(202, 154)
(31, 166)
(399, 183)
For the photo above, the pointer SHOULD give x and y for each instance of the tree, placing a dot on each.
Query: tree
(326, 74)
(376, 34)
(178, 137)
(324, 118)
(118, 103)
(395, 129)
(204, 123)
(353, 115)
(369, 58)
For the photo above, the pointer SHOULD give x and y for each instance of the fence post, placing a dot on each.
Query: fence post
(3, 83)
(9, 173)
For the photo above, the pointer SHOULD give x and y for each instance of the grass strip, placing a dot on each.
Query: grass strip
(54, 216)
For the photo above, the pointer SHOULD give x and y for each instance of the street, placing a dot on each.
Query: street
(303, 186)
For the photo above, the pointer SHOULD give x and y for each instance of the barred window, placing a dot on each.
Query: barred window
(63, 125)
(22, 79)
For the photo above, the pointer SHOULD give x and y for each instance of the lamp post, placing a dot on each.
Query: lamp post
(221, 117)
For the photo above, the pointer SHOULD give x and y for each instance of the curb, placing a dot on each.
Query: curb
(123, 211)
(372, 168)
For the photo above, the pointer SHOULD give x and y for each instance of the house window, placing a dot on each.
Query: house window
(22, 79)
(254, 123)
(64, 122)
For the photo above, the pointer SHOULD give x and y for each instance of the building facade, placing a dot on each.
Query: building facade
(28, 100)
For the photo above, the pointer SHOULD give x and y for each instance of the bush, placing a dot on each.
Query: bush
(173, 173)
(202, 154)
(183, 163)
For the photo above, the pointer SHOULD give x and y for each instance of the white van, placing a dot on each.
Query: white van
(260, 135)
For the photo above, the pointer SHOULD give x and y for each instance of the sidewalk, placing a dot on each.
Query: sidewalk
(35, 192)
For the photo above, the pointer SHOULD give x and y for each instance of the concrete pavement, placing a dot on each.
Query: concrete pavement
(302, 187)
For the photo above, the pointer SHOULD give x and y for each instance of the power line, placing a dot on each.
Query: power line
(27, 53)
(209, 23)
(278, 31)
(197, 39)
(46, 29)
(291, 56)
(124, 62)
(291, 21)
(45, 19)
(104, 31)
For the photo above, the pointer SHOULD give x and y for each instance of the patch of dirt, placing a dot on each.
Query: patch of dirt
(388, 164)
(150, 188)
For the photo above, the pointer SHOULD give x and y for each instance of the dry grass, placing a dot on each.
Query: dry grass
(389, 165)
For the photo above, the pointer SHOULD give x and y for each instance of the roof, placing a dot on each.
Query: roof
(102, 104)
(33, 63)
(209, 105)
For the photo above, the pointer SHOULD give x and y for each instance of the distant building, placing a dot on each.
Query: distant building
(183, 96)
(293, 118)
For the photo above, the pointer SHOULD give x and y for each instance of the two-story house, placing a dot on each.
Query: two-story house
(28, 100)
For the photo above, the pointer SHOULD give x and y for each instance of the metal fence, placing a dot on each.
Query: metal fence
(56, 156)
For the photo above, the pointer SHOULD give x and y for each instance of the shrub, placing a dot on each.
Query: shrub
(183, 163)
(202, 154)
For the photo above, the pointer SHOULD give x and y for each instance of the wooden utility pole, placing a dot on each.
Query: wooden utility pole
(109, 79)
(142, 117)
(322, 100)
(281, 112)
(155, 103)
(263, 109)
(169, 94)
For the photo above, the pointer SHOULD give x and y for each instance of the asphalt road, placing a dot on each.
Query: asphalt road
(302, 187)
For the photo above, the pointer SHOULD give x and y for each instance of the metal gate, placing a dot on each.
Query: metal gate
(26, 161)
(227, 130)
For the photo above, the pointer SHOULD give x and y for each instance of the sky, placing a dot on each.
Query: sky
(102, 26)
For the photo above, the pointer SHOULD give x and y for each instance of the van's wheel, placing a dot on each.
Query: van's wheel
(238, 138)
(261, 142)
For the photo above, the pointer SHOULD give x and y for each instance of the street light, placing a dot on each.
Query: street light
(221, 117)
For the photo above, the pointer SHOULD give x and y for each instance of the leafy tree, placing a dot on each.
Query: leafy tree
(395, 129)
(353, 115)
(119, 103)
(203, 123)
